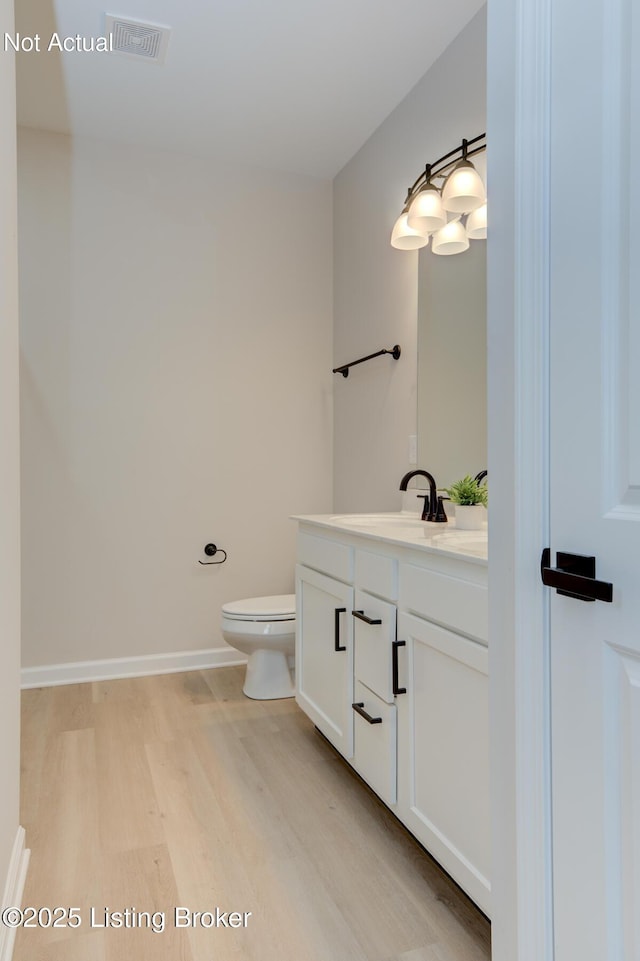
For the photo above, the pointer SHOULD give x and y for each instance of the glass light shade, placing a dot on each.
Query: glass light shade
(477, 223)
(426, 213)
(404, 237)
(463, 189)
(450, 239)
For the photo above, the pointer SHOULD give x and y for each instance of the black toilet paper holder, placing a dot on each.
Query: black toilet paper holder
(211, 550)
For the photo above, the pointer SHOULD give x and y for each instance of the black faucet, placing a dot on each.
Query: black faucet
(480, 476)
(433, 509)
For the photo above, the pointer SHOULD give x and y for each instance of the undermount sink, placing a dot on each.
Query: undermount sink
(378, 520)
(462, 535)
(412, 529)
(462, 540)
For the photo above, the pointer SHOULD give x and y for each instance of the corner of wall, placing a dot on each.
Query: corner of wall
(12, 858)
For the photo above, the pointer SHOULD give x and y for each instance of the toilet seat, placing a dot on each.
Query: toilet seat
(281, 607)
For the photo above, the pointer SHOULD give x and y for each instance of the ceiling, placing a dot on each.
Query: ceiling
(295, 85)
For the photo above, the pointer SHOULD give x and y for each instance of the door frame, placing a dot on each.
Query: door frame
(518, 125)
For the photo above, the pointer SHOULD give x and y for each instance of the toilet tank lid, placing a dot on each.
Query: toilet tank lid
(277, 606)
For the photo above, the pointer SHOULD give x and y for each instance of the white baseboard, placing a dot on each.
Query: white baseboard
(13, 889)
(52, 675)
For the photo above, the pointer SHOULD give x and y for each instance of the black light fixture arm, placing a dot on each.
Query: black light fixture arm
(441, 167)
(344, 369)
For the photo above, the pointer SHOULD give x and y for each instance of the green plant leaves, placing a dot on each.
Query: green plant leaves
(468, 491)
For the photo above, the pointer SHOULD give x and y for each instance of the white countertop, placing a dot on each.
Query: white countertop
(407, 530)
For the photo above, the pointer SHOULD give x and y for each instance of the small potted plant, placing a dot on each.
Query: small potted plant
(470, 499)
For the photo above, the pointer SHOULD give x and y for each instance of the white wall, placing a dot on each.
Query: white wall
(176, 389)
(375, 286)
(9, 466)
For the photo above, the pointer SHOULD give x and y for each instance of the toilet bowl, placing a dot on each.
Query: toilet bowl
(264, 629)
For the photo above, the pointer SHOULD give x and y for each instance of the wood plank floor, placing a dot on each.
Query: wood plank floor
(157, 792)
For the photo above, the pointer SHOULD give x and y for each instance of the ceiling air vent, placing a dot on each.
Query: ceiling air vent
(144, 41)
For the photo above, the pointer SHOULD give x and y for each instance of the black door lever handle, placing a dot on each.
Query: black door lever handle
(574, 576)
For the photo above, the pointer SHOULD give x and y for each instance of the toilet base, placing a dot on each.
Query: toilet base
(268, 676)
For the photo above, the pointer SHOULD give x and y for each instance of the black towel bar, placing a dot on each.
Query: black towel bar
(344, 370)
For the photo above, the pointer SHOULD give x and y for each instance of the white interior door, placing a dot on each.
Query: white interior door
(595, 476)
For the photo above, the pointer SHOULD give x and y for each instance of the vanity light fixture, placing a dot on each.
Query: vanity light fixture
(450, 239)
(426, 212)
(477, 223)
(454, 212)
(406, 237)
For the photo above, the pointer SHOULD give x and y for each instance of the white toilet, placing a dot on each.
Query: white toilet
(264, 628)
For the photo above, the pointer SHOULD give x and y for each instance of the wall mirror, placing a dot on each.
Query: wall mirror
(452, 364)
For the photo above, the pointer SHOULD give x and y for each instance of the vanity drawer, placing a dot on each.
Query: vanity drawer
(375, 743)
(373, 643)
(326, 555)
(451, 601)
(377, 574)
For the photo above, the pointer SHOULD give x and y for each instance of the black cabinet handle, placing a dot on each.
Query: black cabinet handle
(363, 617)
(336, 629)
(358, 707)
(575, 576)
(394, 665)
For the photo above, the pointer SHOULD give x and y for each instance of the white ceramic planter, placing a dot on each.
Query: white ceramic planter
(470, 517)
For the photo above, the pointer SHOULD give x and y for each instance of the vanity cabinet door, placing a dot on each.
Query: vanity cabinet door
(324, 655)
(443, 750)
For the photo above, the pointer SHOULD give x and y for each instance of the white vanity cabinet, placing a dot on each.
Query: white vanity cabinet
(324, 639)
(374, 634)
(391, 665)
(443, 721)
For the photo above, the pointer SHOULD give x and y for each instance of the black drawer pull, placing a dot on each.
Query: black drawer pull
(363, 617)
(394, 667)
(358, 707)
(337, 646)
